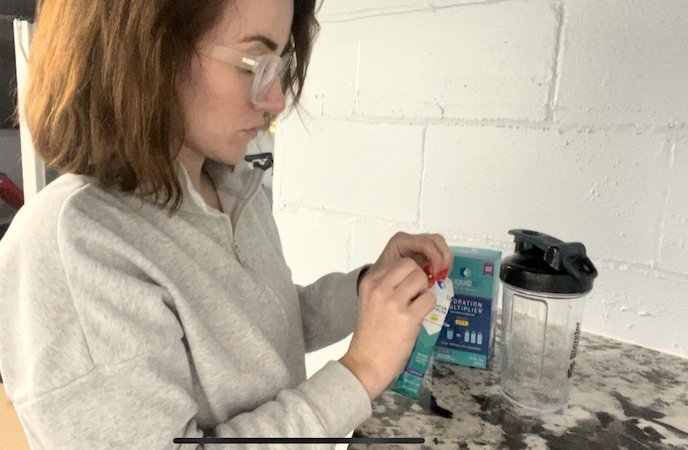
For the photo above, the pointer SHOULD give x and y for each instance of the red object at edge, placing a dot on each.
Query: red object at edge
(440, 276)
(10, 193)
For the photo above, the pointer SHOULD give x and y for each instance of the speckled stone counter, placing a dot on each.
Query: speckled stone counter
(622, 397)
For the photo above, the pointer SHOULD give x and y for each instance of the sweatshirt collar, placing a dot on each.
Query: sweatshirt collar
(240, 181)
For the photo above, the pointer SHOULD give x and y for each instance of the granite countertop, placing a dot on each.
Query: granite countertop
(622, 397)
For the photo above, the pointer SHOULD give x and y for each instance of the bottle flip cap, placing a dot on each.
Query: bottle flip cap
(542, 263)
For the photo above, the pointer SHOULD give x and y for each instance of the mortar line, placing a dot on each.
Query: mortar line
(665, 213)
(428, 7)
(422, 174)
(352, 17)
(649, 269)
(678, 133)
(291, 208)
(468, 4)
(277, 169)
(358, 76)
(350, 247)
(553, 93)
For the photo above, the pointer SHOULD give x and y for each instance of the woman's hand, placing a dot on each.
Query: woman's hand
(429, 251)
(394, 300)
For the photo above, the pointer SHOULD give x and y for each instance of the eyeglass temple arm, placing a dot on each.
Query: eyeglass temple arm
(230, 56)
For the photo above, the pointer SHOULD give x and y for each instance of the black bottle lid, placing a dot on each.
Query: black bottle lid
(542, 263)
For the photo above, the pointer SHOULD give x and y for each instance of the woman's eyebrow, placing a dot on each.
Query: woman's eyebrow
(269, 43)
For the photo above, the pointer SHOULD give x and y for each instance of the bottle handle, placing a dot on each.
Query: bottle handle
(559, 255)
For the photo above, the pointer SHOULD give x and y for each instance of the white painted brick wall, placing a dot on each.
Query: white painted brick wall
(624, 63)
(342, 166)
(567, 183)
(470, 118)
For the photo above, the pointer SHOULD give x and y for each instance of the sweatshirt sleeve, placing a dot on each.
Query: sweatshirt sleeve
(329, 308)
(135, 405)
(95, 359)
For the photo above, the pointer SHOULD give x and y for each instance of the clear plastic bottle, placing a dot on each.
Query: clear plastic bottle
(545, 285)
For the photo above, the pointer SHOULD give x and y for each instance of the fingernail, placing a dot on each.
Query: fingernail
(443, 274)
(427, 271)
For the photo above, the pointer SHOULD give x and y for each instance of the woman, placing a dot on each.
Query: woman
(144, 295)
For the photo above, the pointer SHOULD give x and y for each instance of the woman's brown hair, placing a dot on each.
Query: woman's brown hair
(101, 98)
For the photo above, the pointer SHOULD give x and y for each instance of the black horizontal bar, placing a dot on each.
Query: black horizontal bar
(217, 440)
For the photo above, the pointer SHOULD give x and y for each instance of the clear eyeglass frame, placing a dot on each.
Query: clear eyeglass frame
(266, 68)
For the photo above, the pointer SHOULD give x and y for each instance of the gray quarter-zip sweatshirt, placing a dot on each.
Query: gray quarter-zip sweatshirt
(123, 328)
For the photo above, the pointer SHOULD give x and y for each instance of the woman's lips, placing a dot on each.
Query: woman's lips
(252, 133)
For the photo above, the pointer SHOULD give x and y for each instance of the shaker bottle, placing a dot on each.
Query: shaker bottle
(545, 284)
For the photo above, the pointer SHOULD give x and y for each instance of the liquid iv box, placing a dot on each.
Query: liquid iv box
(467, 337)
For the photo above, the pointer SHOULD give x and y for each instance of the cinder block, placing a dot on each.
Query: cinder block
(605, 189)
(674, 235)
(314, 243)
(641, 307)
(486, 61)
(331, 78)
(359, 168)
(624, 63)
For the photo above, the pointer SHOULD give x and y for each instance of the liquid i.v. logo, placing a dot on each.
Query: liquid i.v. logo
(464, 272)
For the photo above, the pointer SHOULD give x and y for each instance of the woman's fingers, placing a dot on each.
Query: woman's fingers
(394, 301)
(445, 251)
(389, 278)
(430, 251)
(431, 247)
(422, 306)
(413, 286)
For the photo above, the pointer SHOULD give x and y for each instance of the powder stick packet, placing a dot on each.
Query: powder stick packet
(409, 382)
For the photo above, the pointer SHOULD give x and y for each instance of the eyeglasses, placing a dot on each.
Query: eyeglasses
(265, 67)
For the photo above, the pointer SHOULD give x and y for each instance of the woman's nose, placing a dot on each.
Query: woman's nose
(275, 99)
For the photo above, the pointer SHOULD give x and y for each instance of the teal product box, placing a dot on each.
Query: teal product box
(467, 337)
(409, 382)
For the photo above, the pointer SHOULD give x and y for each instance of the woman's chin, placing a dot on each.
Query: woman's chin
(231, 156)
